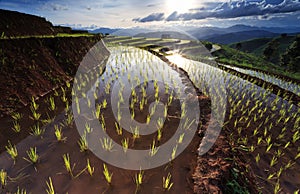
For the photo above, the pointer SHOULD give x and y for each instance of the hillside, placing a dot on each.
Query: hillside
(14, 24)
(34, 60)
(239, 36)
(258, 45)
(242, 59)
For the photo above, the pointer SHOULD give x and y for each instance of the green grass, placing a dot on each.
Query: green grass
(50, 36)
(232, 56)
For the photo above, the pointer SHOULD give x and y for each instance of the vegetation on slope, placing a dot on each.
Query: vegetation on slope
(239, 58)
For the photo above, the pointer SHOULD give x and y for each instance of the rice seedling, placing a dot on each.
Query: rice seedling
(296, 137)
(153, 149)
(173, 155)
(48, 120)
(104, 103)
(135, 132)
(139, 179)
(52, 105)
(83, 143)
(50, 188)
(34, 105)
(67, 163)
(124, 143)
(89, 104)
(268, 148)
(59, 134)
(17, 116)
(142, 103)
(35, 115)
(107, 174)
(77, 105)
(88, 128)
(56, 93)
(98, 111)
(273, 161)
(3, 178)
(33, 157)
(16, 127)
(160, 123)
(68, 84)
(67, 106)
(277, 187)
(107, 144)
(119, 115)
(107, 88)
(119, 129)
(257, 158)
(289, 164)
(132, 114)
(148, 119)
(121, 99)
(22, 191)
(63, 96)
(167, 184)
(69, 120)
(36, 130)
(12, 151)
(180, 139)
(89, 168)
(159, 135)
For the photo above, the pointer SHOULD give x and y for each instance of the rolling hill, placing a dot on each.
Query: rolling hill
(258, 45)
(239, 36)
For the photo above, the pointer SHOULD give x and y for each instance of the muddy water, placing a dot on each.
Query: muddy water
(225, 99)
(33, 177)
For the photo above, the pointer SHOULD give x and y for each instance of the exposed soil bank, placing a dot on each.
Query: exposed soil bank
(14, 24)
(34, 66)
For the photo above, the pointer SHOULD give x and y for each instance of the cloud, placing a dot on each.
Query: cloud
(151, 5)
(150, 18)
(232, 9)
(54, 7)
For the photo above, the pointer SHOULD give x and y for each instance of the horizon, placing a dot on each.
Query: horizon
(161, 14)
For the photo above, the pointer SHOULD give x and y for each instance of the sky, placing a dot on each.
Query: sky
(148, 13)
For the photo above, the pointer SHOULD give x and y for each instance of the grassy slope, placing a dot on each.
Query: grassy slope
(238, 58)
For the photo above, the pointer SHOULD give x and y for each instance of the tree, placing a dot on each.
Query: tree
(283, 35)
(291, 58)
(271, 49)
(238, 46)
(208, 45)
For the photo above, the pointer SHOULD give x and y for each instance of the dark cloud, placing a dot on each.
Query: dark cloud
(151, 5)
(232, 9)
(150, 18)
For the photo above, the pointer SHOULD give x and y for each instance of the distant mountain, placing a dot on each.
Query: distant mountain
(165, 34)
(204, 33)
(121, 31)
(104, 30)
(209, 33)
(239, 36)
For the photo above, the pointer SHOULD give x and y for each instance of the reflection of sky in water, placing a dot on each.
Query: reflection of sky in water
(204, 75)
(281, 83)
